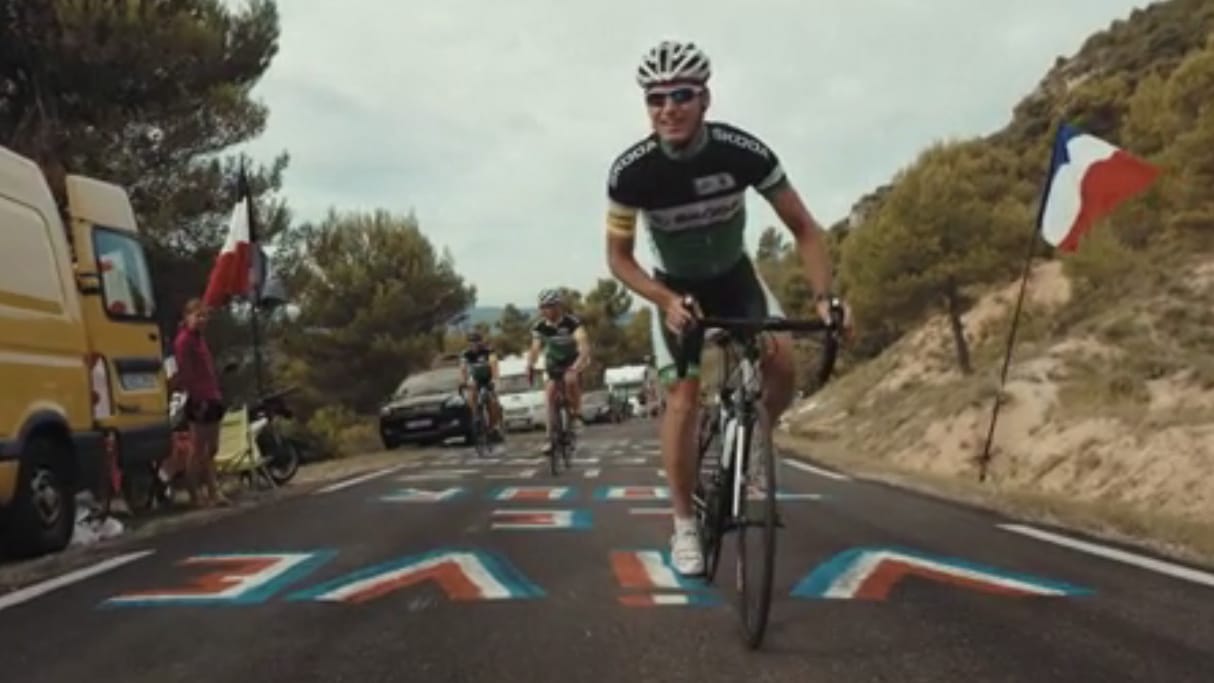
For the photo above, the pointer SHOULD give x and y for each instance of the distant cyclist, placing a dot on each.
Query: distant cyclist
(562, 339)
(688, 178)
(478, 366)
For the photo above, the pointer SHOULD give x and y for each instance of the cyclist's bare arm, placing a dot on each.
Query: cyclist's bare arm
(809, 236)
(532, 354)
(493, 366)
(583, 348)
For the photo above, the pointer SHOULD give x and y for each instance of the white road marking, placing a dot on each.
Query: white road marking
(806, 467)
(356, 480)
(591, 474)
(30, 592)
(651, 512)
(1160, 566)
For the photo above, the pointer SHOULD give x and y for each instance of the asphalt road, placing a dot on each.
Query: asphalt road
(435, 572)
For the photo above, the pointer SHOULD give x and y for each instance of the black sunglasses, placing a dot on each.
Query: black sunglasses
(678, 96)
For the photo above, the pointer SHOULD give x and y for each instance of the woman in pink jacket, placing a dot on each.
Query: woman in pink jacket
(204, 404)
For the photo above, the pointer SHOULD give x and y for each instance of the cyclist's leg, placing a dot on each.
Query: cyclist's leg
(470, 395)
(573, 391)
(779, 371)
(749, 297)
(495, 407)
(551, 377)
(677, 428)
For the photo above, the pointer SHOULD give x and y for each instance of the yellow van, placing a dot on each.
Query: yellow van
(80, 356)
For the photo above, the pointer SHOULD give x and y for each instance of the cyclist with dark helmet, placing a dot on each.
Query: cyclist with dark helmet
(478, 365)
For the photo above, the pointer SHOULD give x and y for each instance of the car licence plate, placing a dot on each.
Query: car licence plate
(414, 424)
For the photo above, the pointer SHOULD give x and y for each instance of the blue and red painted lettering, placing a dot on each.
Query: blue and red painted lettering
(236, 578)
(872, 574)
(463, 575)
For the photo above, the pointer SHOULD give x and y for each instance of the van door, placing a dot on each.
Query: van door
(119, 308)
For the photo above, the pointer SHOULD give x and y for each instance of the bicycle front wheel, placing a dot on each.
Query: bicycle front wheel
(756, 531)
(554, 440)
(710, 496)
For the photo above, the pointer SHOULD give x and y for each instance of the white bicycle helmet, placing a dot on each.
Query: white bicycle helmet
(671, 60)
(549, 297)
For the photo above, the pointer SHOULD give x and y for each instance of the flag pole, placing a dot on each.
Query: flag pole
(255, 246)
(984, 459)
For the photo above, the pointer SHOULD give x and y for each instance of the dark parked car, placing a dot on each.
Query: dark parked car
(426, 408)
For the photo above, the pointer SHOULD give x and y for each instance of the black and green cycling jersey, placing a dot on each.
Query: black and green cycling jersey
(477, 359)
(559, 344)
(693, 200)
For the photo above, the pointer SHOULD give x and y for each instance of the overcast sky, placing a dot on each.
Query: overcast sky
(496, 120)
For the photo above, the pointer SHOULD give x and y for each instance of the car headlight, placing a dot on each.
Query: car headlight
(454, 402)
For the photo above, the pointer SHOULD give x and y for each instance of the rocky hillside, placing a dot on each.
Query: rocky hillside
(1110, 426)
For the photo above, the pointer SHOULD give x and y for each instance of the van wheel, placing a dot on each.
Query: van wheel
(44, 510)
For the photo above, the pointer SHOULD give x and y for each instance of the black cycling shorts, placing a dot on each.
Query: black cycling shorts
(556, 371)
(737, 293)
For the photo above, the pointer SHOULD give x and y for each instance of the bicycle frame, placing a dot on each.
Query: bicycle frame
(739, 410)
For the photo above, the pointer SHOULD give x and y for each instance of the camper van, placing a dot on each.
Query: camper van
(80, 352)
(636, 384)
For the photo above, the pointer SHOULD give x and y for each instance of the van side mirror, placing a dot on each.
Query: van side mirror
(88, 283)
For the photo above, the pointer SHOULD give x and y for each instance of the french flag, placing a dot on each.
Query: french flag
(230, 277)
(1088, 179)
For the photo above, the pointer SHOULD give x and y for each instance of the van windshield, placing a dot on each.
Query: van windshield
(125, 283)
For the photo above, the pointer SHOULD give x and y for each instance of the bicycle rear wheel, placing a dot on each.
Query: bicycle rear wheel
(756, 530)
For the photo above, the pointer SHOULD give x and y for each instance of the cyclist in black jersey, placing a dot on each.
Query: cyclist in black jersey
(688, 179)
(562, 339)
(478, 368)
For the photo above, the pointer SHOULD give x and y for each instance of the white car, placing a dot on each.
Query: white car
(522, 405)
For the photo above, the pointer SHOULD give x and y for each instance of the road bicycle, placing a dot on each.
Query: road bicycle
(736, 485)
(561, 439)
(561, 435)
(480, 422)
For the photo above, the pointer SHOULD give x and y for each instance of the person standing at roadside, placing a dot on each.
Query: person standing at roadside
(204, 407)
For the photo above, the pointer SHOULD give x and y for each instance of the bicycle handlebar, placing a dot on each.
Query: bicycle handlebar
(770, 324)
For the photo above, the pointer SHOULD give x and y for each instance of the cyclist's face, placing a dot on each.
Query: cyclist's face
(676, 110)
(550, 311)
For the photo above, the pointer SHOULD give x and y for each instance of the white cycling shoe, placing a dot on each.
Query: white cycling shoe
(685, 553)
